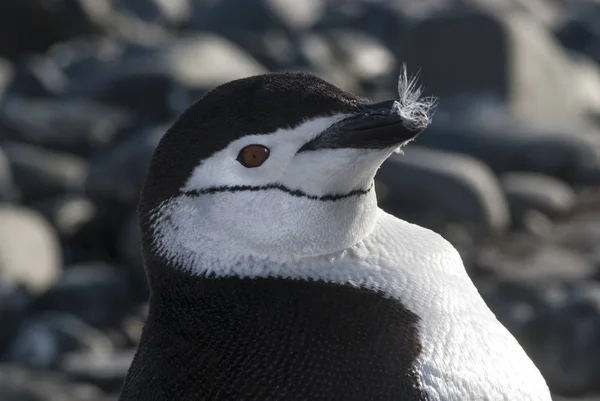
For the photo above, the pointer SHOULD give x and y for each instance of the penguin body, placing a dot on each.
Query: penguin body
(275, 276)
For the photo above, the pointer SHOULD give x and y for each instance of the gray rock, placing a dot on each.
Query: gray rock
(96, 293)
(67, 213)
(44, 339)
(38, 76)
(581, 233)
(295, 14)
(527, 192)
(130, 247)
(507, 54)
(228, 16)
(6, 75)
(171, 12)
(7, 190)
(118, 173)
(16, 385)
(41, 173)
(14, 307)
(447, 188)
(198, 61)
(507, 145)
(22, 23)
(29, 249)
(362, 54)
(105, 371)
(563, 342)
(318, 51)
(540, 264)
(75, 126)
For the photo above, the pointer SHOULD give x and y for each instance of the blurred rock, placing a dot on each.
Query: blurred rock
(171, 12)
(586, 75)
(29, 249)
(362, 54)
(42, 340)
(226, 16)
(96, 293)
(67, 213)
(58, 20)
(506, 54)
(20, 384)
(563, 342)
(14, 307)
(105, 371)
(581, 233)
(443, 188)
(38, 76)
(41, 173)
(130, 247)
(198, 61)
(118, 173)
(542, 264)
(7, 190)
(508, 146)
(526, 192)
(75, 126)
(6, 75)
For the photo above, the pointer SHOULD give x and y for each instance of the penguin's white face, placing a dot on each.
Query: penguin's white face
(295, 203)
(319, 173)
(277, 193)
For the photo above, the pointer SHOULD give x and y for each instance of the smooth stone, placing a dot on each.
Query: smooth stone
(44, 339)
(563, 340)
(15, 304)
(96, 293)
(446, 188)
(117, 174)
(75, 126)
(130, 251)
(581, 233)
(7, 72)
(537, 192)
(69, 214)
(38, 76)
(41, 173)
(362, 54)
(7, 189)
(104, 371)
(29, 249)
(171, 12)
(22, 384)
(516, 58)
(33, 26)
(196, 61)
(508, 145)
(537, 264)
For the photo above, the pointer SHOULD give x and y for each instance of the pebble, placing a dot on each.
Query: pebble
(527, 192)
(29, 249)
(41, 173)
(417, 181)
(69, 214)
(96, 293)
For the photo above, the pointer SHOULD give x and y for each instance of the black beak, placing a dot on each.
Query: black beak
(374, 126)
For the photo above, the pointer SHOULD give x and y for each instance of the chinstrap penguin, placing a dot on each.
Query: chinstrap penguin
(275, 276)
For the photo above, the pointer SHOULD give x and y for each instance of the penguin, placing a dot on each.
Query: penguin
(274, 274)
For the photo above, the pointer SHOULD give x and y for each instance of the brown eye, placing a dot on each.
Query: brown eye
(253, 155)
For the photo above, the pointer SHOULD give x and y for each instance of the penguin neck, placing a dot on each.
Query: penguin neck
(178, 236)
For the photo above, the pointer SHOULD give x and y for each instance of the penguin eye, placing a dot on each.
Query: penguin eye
(253, 155)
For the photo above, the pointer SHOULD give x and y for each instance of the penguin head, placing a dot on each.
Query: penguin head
(273, 166)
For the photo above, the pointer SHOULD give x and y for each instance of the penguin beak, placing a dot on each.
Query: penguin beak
(374, 126)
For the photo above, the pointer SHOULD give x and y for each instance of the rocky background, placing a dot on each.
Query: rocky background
(509, 171)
